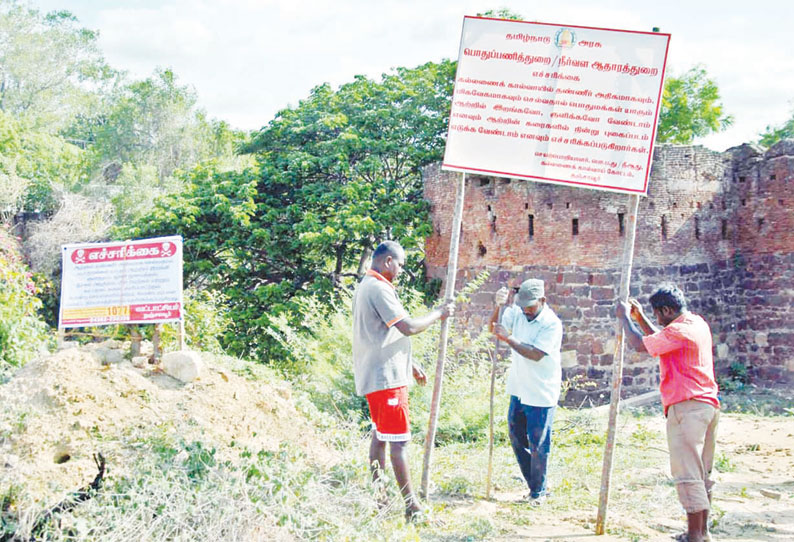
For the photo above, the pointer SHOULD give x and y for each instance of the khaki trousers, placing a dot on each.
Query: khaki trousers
(691, 438)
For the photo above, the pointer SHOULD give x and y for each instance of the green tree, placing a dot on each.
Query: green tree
(336, 175)
(144, 132)
(691, 108)
(51, 69)
(501, 13)
(32, 163)
(341, 172)
(773, 134)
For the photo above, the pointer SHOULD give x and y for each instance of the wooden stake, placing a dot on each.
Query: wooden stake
(156, 350)
(617, 367)
(494, 359)
(449, 296)
(182, 333)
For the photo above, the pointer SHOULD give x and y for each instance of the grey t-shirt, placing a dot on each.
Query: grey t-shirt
(381, 354)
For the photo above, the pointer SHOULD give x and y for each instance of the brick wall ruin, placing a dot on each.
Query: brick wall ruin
(720, 225)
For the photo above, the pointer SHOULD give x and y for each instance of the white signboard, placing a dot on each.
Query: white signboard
(122, 282)
(560, 104)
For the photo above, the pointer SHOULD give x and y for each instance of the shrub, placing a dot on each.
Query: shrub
(206, 320)
(22, 332)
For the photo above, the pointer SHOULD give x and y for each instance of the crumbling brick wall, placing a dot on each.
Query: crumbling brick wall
(720, 225)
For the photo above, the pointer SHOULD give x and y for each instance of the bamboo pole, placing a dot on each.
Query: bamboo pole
(617, 367)
(494, 359)
(449, 296)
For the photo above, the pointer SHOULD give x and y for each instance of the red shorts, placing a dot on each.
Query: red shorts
(389, 412)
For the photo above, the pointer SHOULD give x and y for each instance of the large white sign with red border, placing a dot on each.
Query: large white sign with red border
(122, 282)
(562, 104)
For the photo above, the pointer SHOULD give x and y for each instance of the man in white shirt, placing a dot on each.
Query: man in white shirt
(534, 333)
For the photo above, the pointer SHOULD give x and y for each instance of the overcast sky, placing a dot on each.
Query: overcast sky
(247, 59)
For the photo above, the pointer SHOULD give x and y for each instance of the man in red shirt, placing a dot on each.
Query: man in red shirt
(689, 395)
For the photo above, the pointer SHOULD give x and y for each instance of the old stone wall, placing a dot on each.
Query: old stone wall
(719, 225)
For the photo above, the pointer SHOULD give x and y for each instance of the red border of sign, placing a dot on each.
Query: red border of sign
(560, 181)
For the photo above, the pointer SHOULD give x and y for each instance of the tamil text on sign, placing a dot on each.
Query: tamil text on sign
(122, 282)
(561, 104)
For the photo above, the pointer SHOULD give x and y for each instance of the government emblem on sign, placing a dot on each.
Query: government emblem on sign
(565, 38)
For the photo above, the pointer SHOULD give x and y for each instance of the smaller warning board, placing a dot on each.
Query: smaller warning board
(122, 282)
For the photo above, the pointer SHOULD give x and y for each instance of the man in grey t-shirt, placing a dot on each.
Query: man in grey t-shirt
(382, 364)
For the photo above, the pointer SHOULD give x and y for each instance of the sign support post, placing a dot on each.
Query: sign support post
(449, 296)
(571, 105)
(617, 367)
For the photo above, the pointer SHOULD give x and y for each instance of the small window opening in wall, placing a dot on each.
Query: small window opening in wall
(697, 228)
(772, 177)
(567, 204)
(664, 227)
(575, 226)
(724, 229)
(621, 225)
(481, 249)
(531, 226)
(742, 179)
(675, 205)
(711, 205)
(526, 206)
(550, 205)
(760, 223)
(744, 202)
(484, 181)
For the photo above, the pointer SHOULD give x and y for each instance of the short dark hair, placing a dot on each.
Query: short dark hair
(668, 295)
(387, 248)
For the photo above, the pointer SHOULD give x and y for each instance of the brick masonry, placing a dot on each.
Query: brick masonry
(719, 225)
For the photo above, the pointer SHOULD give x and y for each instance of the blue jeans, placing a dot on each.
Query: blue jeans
(530, 436)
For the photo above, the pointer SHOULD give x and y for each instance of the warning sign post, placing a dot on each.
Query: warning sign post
(122, 282)
(562, 104)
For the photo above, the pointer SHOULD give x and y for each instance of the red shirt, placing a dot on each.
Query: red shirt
(686, 365)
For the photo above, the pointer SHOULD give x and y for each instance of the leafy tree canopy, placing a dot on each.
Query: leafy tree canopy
(336, 175)
(144, 132)
(31, 163)
(501, 13)
(773, 134)
(51, 69)
(691, 108)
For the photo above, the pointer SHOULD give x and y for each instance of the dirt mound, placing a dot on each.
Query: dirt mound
(58, 411)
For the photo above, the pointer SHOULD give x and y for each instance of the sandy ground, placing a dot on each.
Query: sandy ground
(753, 502)
(57, 412)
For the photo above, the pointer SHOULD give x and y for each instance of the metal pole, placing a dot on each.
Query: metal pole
(617, 367)
(449, 295)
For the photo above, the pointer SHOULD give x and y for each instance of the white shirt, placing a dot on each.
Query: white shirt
(535, 383)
